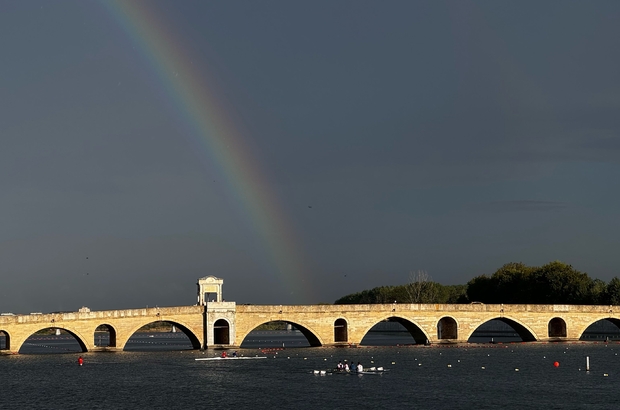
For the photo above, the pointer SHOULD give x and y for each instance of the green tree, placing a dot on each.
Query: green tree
(612, 292)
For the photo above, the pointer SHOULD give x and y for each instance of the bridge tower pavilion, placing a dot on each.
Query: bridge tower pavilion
(219, 316)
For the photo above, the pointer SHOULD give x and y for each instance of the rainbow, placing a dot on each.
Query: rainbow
(197, 104)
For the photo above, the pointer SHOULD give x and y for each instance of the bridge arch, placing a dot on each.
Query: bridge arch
(311, 335)
(341, 331)
(414, 329)
(7, 340)
(80, 339)
(194, 340)
(525, 332)
(556, 328)
(615, 321)
(447, 328)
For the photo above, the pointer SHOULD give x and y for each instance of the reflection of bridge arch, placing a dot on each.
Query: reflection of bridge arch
(181, 326)
(524, 332)
(78, 337)
(310, 334)
(414, 329)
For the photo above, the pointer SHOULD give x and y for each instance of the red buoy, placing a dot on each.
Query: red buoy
(556, 364)
(80, 361)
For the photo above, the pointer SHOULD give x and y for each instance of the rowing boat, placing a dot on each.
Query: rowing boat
(372, 370)
(232, 358)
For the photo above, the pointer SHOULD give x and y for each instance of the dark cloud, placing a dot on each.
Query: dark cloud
(521, 206)
(445, 136)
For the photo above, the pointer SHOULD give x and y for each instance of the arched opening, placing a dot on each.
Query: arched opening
(501, 330)
(340, 331)
(557, 327)
(105, 336)
(394, 331)
(5, 340)
(162, 336)
(221, 332)
(447, 329)
(602, 330)
(53, 340)
(278, 334)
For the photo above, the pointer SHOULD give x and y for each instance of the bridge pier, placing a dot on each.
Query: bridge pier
(104, 349)
(219, 325)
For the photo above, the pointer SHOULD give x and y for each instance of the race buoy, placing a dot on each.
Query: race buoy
(80, 361)
(556, 364)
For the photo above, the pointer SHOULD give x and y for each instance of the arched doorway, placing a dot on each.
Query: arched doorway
(447, 329)
(340, 331)
(105, 336)
(221, 332)
(5, 340)
(557, 327)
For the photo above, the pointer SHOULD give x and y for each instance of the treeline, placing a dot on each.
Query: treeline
(432, 292)
(513, 283)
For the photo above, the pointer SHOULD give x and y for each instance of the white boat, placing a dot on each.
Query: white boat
(372, 370)
(232, 358)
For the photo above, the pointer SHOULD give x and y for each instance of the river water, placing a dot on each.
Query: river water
(148, 375)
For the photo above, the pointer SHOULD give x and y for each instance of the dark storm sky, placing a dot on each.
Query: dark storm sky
(444, 136)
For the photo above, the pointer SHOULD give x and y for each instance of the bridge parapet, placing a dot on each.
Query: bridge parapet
(101, 314)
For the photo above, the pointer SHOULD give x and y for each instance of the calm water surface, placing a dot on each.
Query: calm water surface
(466, 377)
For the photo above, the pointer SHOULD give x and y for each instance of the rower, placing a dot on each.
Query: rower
(224, 355)
(360, 368)
(234, 354)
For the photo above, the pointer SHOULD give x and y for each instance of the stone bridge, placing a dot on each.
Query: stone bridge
(225, 324)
